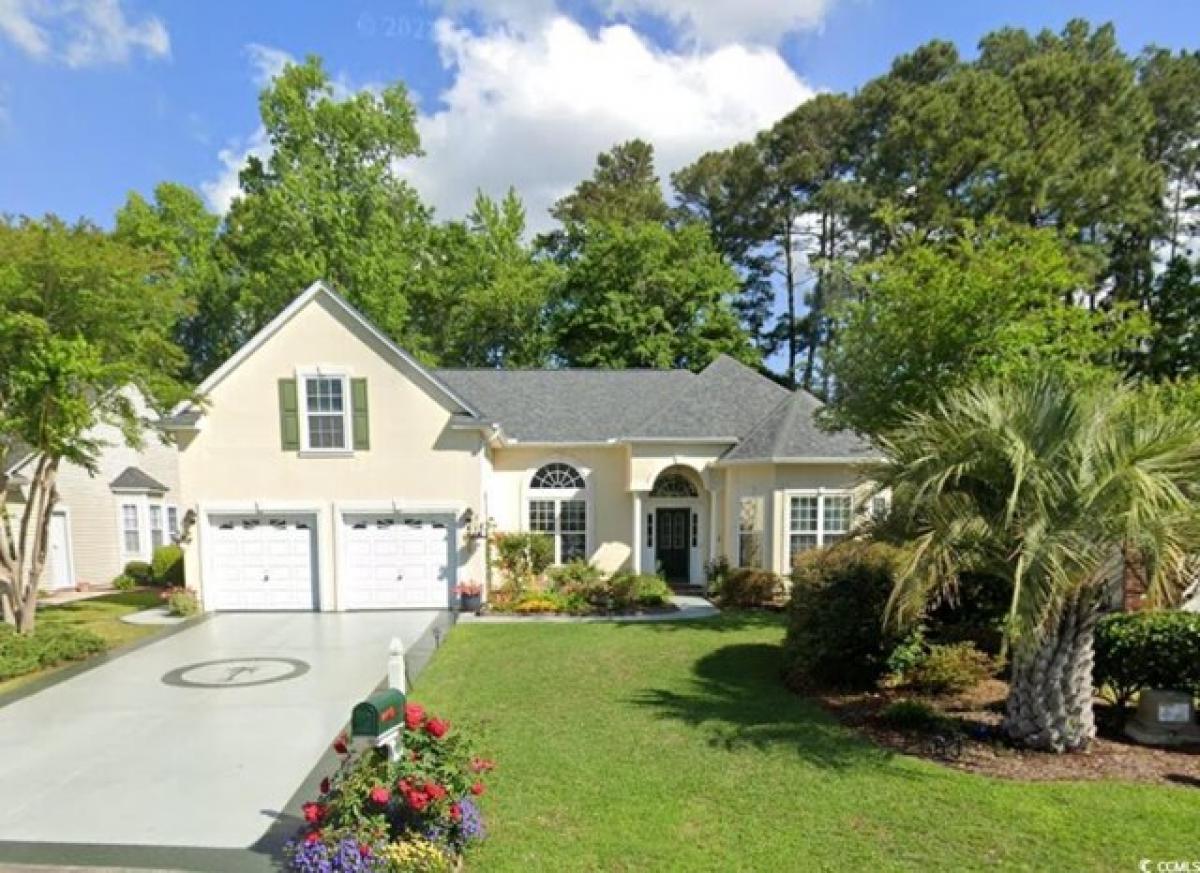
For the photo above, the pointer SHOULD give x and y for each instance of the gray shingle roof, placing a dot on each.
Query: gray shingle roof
(18, 453)
(726, 399)
(133, 479)
(790, 430)
(566, 405)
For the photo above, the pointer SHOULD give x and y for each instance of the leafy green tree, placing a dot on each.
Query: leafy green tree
(989, 301)
(177, 225)
(1050, 492)
(329, 202)
(1173, 350)
(82, 316)
(645, 295)
(491, 291)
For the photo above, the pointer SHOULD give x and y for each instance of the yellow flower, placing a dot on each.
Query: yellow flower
(416, 855)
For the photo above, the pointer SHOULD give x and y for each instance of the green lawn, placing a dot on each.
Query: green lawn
(673, 747)
(100, 615)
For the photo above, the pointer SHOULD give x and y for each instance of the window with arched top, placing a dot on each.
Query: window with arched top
(558, 507)
(557, 475)
(673, 485)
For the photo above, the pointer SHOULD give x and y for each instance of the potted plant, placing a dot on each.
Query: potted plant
(470, 595)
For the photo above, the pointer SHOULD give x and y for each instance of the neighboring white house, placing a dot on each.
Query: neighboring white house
(328, 469)
(119, 514)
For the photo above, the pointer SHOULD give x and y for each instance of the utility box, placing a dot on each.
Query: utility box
(379, 717)
(1164, 718)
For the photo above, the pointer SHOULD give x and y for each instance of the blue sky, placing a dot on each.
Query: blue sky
(100, 97)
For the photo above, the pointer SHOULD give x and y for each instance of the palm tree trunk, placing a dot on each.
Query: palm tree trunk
(1050, 697)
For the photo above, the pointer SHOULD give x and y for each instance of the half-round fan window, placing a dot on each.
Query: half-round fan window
(673, 485)
(557, 475)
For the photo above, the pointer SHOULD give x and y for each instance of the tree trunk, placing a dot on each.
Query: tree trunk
(1050, 698)
(790, 281)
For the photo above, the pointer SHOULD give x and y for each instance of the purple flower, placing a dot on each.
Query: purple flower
(317, 857)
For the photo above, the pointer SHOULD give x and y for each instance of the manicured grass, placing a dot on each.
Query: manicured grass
(100, 615)
(673, 746)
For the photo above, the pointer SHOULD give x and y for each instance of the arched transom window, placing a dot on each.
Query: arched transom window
(557, 475)
(558, 507)
(673, 485)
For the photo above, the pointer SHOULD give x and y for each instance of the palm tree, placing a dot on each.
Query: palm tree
(1052, 492)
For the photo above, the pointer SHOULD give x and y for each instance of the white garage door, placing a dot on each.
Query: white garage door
(394, 564)
(260, 562)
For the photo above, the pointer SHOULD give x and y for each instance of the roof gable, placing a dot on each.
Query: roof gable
(790, 432)
(724, 400)
(185, 413)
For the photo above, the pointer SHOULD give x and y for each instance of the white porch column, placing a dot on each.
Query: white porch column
(712, 524)
(636, 539)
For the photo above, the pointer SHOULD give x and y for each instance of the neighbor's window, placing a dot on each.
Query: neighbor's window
(325, 410)
(156, 526)
(750, 532)
(173, 522)
(817, 520)
(558, 507)
(129, 528)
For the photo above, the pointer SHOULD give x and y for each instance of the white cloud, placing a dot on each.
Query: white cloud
(706, 22)
(533, 111)
(220, 190)
(268, 62)
(716, 22)
(81, 33)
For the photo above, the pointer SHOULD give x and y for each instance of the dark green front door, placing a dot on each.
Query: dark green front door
(671, 549)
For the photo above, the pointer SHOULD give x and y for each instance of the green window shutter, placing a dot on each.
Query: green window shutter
(289, 416)
(358, 411)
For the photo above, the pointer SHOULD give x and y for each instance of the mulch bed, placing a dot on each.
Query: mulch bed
(981, 749)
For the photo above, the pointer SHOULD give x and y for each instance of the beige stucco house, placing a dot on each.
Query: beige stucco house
(103, 519)
(327, 469)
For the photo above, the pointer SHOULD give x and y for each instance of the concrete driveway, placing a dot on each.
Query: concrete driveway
(162, 747)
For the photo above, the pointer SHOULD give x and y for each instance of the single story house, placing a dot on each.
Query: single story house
(103, 520)
(327, 469)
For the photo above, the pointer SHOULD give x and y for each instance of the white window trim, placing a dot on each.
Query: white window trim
(318, 372)
(820, 532)
(171, 520)
(558, 496)
(134, 503)
(142, 502)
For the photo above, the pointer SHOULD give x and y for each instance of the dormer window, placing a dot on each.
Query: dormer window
(326, 413)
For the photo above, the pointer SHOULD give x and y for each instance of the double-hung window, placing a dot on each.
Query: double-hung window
(326, 412)
(156, 525)
(750, 532)
(817, 520)
(558, 507)
(130, 529)
(173, 522)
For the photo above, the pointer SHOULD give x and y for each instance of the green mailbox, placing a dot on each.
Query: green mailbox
(379, 716)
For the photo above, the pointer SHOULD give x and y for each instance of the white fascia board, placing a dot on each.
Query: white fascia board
(809, 461)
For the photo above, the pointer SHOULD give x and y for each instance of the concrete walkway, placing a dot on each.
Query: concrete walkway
(164, 747)
(689, 607)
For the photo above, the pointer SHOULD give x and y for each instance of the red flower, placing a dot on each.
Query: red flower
(364, 850)
(477, 789)
(313, 812)
(339, 745)
(325, 785)
(455, 812)
(380, 795)
(437, 727)
(312, 837)
(435, 791)
(404, 785)
(418, 800)
(414, 715)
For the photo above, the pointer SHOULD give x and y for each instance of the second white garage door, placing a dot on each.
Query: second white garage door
(260, 562)
(395, 564)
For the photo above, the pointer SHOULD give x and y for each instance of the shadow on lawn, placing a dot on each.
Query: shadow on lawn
(737, 696)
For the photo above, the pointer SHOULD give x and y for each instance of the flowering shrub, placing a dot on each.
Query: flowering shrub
(414, 814)
(180, 600)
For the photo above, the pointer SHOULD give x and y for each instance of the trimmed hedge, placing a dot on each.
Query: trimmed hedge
(47, 646)
(1140, 650)
(629, 590)
(140, 572)
(167, 566)
(950, 669)
(836, 634)
(747, 586)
